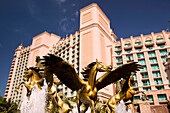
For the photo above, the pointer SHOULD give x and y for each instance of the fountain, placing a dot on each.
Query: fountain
(36, 102)
(122, 108)
(41, 85)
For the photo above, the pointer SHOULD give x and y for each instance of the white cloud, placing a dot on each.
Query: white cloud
(73, 5)
(62, 20)
(66, 25)
(64, 10)
(60, 1)
(76, 13)
(63, 24)
(73, 19)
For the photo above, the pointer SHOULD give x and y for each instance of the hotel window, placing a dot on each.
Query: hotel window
(67, 54)
(65, 89)
(120, 64)
(156, 74)
(144, 68)
(168, 80)
(163, 59)
(162, 97)
(77, 45)
(158, 81)
(67, 59)
(71, 93)
(72, 62)
(145, 82)
(74, 39)
(77, 69)
(77, 50)
(140, 55)
(134, 76)
(128, 45)
(151, 54)
(118, 53)
(66, 94)
(141, 62)
(163, 52)
(150, 97)
(138, 43)
(128, 50)
(119, 59)
(144, 75)
(154, 67)
(161, 45)
(159, 88)
(73, 48)
(136, 84)
(148, 41)
(160, 39)
(129, 57)
(150, 47)
(136, 97)
(118, 48)
(147, 89)
(153, 60)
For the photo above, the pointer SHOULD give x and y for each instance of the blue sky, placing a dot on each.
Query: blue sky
(20, 20)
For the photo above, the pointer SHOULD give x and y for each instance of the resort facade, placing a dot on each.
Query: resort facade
(96, 40)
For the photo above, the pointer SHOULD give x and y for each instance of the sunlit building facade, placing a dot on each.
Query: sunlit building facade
(150, 51)
(19, 64)
(96, 40)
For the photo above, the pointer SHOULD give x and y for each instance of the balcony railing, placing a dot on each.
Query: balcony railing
(148, 42)
(128, 46)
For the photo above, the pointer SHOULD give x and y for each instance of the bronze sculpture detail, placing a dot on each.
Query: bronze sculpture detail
(126, 94)
(87, 90)
(49, 65)
(33, 77)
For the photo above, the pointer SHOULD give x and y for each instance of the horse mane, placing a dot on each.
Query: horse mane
(125, 85)
(35, 69)
(87, 70)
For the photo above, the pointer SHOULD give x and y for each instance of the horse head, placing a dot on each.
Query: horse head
(28, 74)
(131, 80)
(102, 67)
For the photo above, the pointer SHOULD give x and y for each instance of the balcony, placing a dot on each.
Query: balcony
(138, 44)
(9, 78)
(144, 76)
(118, 48)
(148, 43)
(8, 84)
(128, 46)
(160, 41)
(146, 84)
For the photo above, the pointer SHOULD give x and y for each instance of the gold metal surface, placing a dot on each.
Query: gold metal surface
(87, 90)
(126, 94)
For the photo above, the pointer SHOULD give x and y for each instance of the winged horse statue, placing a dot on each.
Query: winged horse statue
(87, 90)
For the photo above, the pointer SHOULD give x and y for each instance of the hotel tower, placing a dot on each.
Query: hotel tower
(96, 40)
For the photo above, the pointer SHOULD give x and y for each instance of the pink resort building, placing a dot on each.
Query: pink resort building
(96, 40)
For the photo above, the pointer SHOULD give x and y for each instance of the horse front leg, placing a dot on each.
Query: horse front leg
(145, 95)
(78, 101)
(93, 106)
(137, 92)
(17, 88)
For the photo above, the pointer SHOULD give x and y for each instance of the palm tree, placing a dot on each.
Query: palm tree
(7, 106)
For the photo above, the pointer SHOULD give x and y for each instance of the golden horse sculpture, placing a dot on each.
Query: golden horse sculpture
(36, 75)
(55, 100)
(126, 93)
(33, 77)
(87, 90)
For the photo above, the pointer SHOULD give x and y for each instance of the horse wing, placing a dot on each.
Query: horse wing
(63, 70)
(123, 71)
